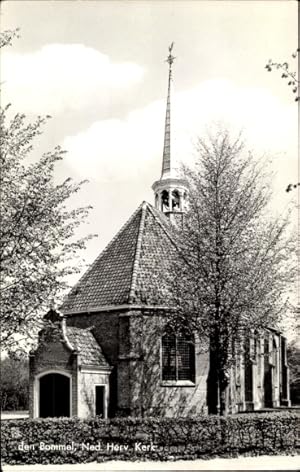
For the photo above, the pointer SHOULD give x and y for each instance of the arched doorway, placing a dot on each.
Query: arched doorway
(54, 395)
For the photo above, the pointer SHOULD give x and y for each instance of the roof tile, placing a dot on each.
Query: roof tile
(85, 343)
(132, 268)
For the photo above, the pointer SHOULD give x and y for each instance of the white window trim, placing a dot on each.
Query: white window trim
(177, 383)
(36, 387)
(106, 397)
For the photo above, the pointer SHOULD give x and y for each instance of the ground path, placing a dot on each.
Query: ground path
(241, 463)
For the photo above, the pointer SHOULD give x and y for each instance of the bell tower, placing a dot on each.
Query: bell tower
(170, 191)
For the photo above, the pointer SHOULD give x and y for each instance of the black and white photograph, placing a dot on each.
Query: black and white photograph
(150, 235)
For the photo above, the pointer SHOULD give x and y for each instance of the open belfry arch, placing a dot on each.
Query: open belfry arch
(109, 349)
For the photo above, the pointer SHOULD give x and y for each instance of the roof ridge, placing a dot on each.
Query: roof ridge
(65, 335)
(162, 226)
(137, 253)
(102, 253)
(88, 328)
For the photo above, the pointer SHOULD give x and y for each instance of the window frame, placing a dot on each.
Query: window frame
(105, 398)
(175, 382)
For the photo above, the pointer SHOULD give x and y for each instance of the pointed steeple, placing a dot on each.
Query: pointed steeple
(166, 164)
(170, 191)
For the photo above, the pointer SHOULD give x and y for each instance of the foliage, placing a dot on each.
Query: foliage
(7, 36)
(38, 247)
(291, 186)
(180, 438)
(38, 250)
(292, 81)
(294, 370)
(286, 73)
(14, 384)
(234, 260)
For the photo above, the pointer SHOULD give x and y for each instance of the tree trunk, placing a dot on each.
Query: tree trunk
(212, 384)
(224, 393)
(217, 382)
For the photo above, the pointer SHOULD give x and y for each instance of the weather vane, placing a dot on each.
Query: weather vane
(170, 58)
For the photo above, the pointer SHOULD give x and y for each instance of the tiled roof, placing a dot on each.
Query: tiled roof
(157, 253)
(131, 269)
(84, 342)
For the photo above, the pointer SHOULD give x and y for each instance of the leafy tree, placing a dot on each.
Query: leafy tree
(294, 365)
(234, 260)
(14, 384)
(38, 248)
(7, 36)
(291, 78)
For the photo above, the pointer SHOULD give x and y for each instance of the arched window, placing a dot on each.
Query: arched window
(175, 200)
(165, 200)
(178, 357)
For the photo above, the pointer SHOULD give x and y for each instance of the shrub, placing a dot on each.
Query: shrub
(95, 439)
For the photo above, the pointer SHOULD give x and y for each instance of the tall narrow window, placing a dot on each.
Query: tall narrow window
(165, 200)
(175, 200)
(178, 357)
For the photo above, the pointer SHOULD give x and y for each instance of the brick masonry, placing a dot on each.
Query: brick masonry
(131, 343)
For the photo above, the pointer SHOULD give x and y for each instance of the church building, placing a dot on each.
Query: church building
(108, 350)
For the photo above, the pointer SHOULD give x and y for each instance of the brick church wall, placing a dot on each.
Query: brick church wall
(139, 373)
(131, 343)
(266, 377)
(106, 331)
(86, 389)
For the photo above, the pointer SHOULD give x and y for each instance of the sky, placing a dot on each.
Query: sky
(98, 68)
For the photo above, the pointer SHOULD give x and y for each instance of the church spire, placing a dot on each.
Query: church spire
(170, 191)
(166, 164)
